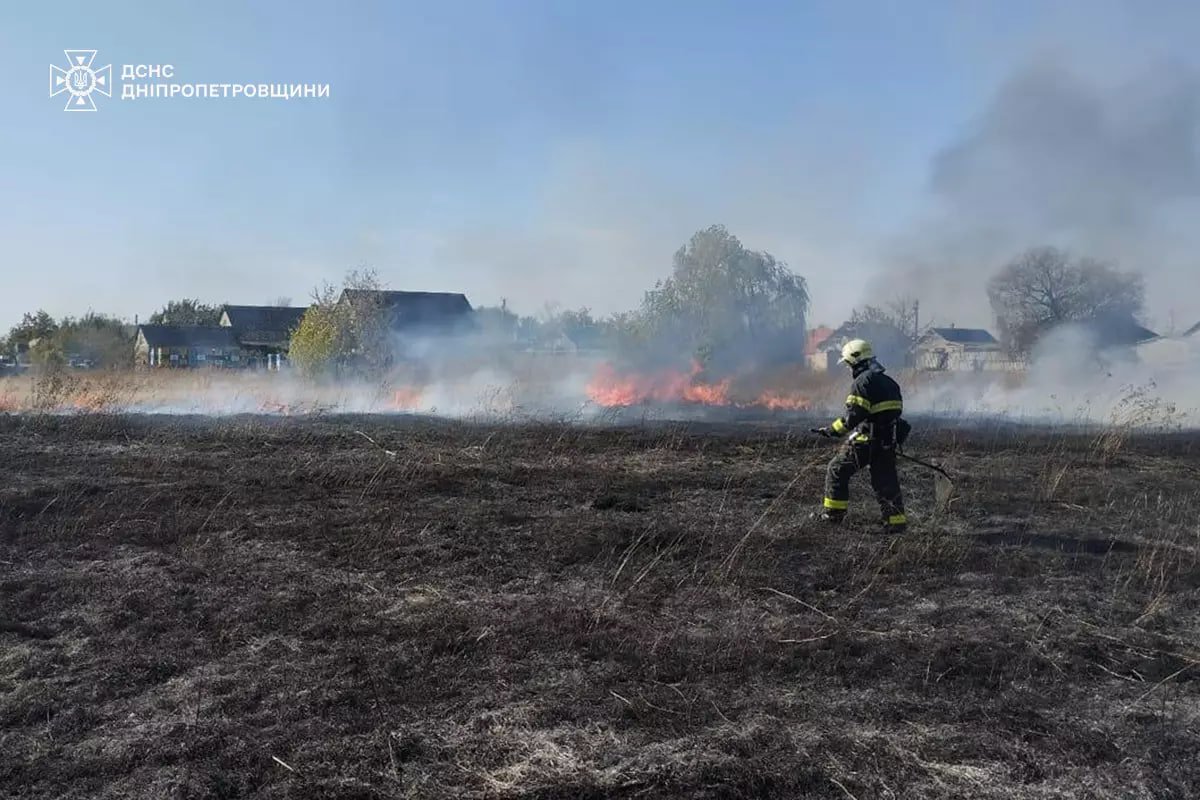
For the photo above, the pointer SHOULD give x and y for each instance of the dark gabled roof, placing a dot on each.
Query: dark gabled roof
(264, 325)
(1192, 331)
(188, 336)
(264, 318)
(965, 335)
(1117, 330)
(412, 308)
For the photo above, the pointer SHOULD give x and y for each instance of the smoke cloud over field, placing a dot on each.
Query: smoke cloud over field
(1160, 392)
(1068, 382)
(1110, 170)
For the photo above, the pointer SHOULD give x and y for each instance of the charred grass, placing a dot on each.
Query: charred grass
(271, 608)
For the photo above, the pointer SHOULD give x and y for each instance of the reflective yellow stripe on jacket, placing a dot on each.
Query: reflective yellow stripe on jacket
(875, 408)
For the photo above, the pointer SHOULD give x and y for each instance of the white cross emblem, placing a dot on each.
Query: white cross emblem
(80, 80)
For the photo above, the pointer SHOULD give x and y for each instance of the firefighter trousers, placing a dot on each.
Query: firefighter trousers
(881, 461)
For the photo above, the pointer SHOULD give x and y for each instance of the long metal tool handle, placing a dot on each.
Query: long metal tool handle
(906, 456)
(926, 464)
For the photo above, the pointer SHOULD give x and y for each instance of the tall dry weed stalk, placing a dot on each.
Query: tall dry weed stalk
(11, 390)
(52, 386)
(1140, 409)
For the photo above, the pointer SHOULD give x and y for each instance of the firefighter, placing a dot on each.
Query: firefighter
(873, 430)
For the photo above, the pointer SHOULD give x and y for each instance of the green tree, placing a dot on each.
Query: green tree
(47, 352)
(316, 345)
(724, 302)
(102, 339)
(1045, 287)
(581, 327)
(343, 327)
(553, 323)
(529, 330)
(32, 327)
(186, 312)
(626, 331)
(497, 322)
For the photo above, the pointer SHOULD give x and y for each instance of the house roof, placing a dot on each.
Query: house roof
(817, 337)
(188, 336)
(1118, 330)
(965, 335)
(412, 308)
(264, 318)
(263, 325)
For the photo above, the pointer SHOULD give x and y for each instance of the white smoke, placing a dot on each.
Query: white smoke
(1155, 385)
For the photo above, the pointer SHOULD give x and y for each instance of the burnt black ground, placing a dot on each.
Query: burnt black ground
(270, 608)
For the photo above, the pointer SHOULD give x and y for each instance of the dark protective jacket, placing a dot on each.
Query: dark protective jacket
(873, 407)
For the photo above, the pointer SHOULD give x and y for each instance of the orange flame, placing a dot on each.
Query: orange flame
(407, 398)
(780, 401)
(613, 389)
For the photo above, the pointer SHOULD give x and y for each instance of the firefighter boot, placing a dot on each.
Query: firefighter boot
(828, 516)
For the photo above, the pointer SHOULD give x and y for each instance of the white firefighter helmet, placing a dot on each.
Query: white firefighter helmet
(856, 351)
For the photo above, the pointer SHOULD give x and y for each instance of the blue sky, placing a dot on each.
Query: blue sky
(545, 152)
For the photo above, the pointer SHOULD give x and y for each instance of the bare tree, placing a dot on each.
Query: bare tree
(1044, 287)
(893, 330)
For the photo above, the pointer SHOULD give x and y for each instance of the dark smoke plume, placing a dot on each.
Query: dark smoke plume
(1110, 171)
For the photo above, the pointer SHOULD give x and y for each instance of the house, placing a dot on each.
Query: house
(892, 345)
(817, 354)
(1170, 352)
(960, 349)
(264, 332)
(412, 312)
(186, 346)
(1111, 331)
(826, 345)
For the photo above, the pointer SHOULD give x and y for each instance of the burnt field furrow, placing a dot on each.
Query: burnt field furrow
(267, 608)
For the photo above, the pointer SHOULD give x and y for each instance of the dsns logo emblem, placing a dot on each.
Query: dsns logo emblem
(79, 80)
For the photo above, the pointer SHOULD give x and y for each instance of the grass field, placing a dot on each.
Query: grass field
(279, 607)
